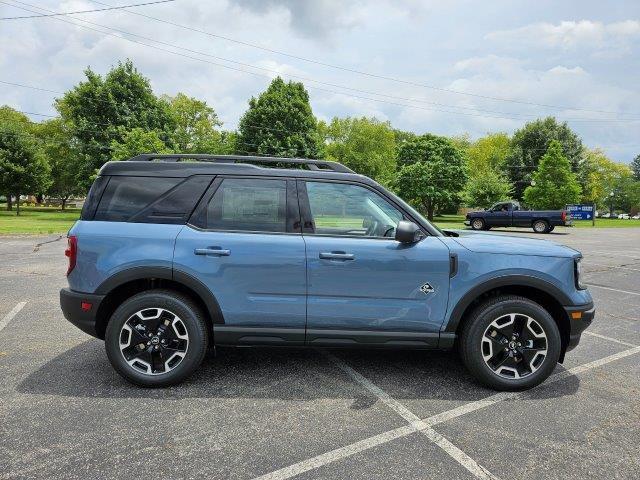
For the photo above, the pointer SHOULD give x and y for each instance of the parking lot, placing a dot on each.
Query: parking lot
(283, 413)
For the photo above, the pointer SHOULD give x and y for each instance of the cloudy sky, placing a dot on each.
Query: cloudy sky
(449, 67)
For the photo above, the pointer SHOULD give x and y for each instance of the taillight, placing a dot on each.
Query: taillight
(71, 252)
(563, 215)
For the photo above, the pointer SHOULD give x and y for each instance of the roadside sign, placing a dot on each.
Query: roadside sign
(580, 212)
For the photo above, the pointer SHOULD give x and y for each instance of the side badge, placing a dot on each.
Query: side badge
(426, 288)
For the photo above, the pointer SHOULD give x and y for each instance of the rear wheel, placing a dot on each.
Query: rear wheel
(156, 338)
(478, 224)
(510, 343)
(541, 226)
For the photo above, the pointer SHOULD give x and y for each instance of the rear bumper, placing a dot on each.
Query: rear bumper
(71, 304)
(580, 317)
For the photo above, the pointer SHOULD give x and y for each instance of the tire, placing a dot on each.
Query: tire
(540, 226)
(478, 224)
(175, 332)
(551, 229)
(527, 367)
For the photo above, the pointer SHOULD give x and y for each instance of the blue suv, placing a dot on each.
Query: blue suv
(177, 253)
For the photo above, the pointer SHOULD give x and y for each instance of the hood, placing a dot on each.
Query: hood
(510, 245)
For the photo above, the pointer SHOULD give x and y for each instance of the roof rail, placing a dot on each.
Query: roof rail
(200, 157)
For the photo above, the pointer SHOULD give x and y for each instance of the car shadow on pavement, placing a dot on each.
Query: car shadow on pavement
(277, 373)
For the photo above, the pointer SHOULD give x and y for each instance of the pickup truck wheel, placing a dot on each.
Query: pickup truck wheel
(510, 343)
(156, 338)
(541, 226)
(478, 224)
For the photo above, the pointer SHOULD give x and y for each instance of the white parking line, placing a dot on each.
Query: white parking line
(612, 289)
(610, 267)
(611, 339)
(454, 452)
(9, 316)
(390, 435)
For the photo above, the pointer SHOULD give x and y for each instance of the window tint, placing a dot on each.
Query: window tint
(126, 196)
(255, 205)
(177, 204)
(342, 209)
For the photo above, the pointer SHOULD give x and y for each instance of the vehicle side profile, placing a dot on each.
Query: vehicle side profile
(174, 254)
(510, 214)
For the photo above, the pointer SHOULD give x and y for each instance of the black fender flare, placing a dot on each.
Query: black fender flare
(165, 273)
(503, 281)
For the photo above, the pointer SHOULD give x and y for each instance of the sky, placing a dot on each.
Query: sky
(448, 68)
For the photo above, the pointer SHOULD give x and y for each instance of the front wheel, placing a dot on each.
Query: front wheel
(156, 338)
(510, 343)
(478, 224)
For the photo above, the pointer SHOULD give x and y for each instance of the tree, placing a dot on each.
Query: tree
(635, 166)
(62, 157)
(100, 111)
(530, 143)
(486, 189)
(432, 172)
(11, 119)
(554, 184)
(279, 122)
(599, 176)
(23, 167)
(365, 145)
(137, 141)
(195, 125)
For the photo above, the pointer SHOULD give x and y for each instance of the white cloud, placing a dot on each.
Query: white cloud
(570, 35)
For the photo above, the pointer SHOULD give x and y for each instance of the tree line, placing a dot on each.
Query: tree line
(116, 116)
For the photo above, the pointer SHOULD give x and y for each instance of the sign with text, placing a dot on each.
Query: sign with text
(580, 212)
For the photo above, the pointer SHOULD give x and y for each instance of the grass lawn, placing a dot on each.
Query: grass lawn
(45, 220)
(37, 220)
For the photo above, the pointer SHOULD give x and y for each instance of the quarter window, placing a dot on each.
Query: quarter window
(343, 209)
(249, 204)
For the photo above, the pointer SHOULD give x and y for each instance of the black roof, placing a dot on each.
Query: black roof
(186, 165)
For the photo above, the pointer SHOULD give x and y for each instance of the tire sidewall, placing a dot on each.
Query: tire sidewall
(176, 304)
(473, 347)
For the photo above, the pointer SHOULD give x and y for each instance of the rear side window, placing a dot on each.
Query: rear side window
(93, 197)
(256, 205)
(126, 196)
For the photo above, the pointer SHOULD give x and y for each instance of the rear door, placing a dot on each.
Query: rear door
(244, 243)
(364, 287)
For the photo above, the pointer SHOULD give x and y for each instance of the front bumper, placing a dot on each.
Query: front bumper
(72, 307)
(580, 317)
(467, 223)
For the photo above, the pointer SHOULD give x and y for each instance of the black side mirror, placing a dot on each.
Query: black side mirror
(407, 232)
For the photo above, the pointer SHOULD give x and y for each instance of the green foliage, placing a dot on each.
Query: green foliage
(485, 189)
(530, 143)
(555, 184)
(23, 167)
(195, 125)
(432, 173)
(279, 122)
(599, 176)
(100, 111)
(635, 166)
(137, 141)
(365, 145)
(63, 158)
(489, 153)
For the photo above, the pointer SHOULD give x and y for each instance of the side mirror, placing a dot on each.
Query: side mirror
(407, 232)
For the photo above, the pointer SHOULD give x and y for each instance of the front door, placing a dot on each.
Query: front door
(243, 245)
(364, 287)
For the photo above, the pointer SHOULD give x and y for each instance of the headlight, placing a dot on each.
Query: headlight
(578, 274)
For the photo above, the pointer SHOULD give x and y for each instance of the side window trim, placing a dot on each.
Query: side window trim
(308, 226)
(198, 219)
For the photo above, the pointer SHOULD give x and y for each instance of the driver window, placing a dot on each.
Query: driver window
(341, 209)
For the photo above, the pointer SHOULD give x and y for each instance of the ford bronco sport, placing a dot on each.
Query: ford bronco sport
(176, 253)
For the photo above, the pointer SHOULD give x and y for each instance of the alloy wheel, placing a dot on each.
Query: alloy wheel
(514, 346)
(154, 341)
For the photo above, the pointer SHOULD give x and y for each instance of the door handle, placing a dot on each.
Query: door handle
(215, 251)
(337, 256)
